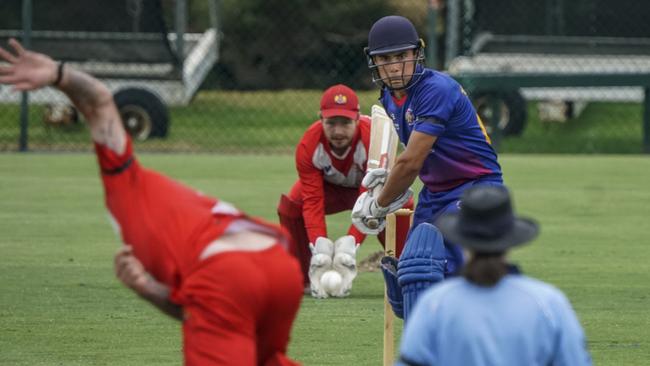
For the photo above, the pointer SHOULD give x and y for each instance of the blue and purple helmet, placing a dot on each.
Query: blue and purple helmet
(392, 34)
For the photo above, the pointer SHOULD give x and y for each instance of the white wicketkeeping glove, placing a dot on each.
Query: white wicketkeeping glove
(345, 263)
(321, 261)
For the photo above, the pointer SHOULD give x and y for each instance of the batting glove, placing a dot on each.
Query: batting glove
(374, 178)
(366, 208)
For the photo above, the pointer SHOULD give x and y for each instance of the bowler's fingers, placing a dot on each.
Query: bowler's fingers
(16, 46)
(20, 87)
(131, 273)
(9, 79)
(124, 250)
(6, 70)
(7, 56)
(18, 83)
(124, 260)
(129, 270)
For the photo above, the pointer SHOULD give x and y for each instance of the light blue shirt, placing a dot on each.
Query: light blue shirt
(520, 321)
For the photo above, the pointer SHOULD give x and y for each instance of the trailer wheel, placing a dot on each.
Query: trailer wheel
(143, 113)
(513, 113)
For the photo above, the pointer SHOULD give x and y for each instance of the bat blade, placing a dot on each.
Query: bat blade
(383, 140)
(382, 150)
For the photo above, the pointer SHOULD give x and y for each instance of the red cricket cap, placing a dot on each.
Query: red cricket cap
(339, 100)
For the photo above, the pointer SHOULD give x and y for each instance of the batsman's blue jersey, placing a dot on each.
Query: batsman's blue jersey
(519, 321)
(438, 106)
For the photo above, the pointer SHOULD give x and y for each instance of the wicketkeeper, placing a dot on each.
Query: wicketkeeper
(331, 160)
(196, 258)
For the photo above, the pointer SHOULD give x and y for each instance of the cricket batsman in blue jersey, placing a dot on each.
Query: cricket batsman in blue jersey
(446, 145)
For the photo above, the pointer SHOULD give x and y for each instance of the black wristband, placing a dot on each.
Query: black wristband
(59, 73)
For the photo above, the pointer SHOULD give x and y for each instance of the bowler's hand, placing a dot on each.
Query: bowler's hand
(130, 271)
(27, 70)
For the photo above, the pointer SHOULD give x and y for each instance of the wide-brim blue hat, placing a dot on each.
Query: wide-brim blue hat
(486, 222)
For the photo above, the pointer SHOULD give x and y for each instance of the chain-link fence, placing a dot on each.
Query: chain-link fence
(250, 74)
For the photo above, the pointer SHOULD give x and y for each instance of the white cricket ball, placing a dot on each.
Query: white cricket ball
(331, 282)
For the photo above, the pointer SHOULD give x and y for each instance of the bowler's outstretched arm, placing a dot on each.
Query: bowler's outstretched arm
(29, 70)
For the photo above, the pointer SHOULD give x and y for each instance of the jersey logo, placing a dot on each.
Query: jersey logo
(409, 117)
(340, 99)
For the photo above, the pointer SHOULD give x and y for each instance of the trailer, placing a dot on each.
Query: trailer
(146, 67)
(545, 42)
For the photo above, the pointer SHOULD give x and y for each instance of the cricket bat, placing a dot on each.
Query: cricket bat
(382, 150)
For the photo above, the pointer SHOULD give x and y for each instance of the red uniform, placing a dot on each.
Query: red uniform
(326, 184)
(234, 314)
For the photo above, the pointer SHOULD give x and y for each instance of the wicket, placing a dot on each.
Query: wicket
(389, 250)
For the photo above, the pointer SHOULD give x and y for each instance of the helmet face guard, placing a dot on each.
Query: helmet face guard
(395, 34)
(407, 80)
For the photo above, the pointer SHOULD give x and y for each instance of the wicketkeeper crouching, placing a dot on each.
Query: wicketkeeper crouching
(331, 160)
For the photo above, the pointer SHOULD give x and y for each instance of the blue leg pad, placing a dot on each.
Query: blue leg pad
(421, 264)
(394, 292)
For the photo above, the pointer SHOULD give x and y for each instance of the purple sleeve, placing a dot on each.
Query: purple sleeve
(434, 105)
(430, 127)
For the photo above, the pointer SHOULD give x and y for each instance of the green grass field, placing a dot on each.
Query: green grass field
(61, 305)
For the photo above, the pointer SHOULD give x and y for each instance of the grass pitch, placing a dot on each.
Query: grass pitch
(61, 305)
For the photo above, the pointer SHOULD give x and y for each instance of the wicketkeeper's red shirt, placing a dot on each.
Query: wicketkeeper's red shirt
(317, 164)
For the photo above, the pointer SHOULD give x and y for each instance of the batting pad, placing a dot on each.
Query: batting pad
(421, 264)
(393, 291)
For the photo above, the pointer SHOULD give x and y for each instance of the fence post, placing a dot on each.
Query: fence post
(181, 26)
(453, 31)
(432, 24)
(24, 102)
(646, 120)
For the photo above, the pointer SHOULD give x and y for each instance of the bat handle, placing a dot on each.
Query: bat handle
(373, 222)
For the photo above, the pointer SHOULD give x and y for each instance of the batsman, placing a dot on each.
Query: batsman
(446, 145)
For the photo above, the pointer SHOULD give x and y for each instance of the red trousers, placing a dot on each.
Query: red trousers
(239, 308)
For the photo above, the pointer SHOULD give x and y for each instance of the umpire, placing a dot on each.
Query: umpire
(492, 314)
